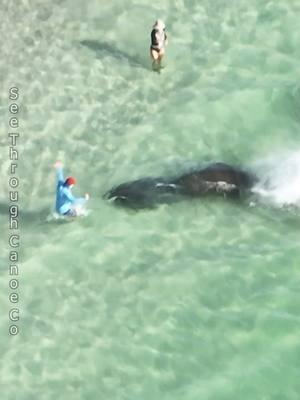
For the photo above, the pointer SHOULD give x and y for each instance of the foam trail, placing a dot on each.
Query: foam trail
(280, 180)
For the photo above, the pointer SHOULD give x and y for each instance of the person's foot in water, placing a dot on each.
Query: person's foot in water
(156, 66)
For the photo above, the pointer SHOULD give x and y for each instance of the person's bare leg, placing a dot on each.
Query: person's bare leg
(155, 57)
(160, 56)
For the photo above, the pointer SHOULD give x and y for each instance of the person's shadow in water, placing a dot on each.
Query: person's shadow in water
(25, 217)
(103, 49)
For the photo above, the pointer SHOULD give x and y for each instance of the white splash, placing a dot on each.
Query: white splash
(80, 211)
(280, 180)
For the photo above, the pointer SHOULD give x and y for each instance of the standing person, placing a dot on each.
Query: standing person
(158, 42)
(66, 203)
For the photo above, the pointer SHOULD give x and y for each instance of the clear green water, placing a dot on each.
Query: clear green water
(198, 300)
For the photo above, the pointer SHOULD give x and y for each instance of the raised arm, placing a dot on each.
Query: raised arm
(59, 172)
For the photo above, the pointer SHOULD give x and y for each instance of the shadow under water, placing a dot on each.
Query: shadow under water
(27, 217)
(103, 48)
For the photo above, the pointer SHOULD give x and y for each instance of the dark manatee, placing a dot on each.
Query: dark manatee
(143, 193)
(217, 179)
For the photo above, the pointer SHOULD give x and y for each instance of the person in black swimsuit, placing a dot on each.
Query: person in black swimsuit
(158, 43)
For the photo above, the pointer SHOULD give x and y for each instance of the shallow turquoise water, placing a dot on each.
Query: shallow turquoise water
(198, 300)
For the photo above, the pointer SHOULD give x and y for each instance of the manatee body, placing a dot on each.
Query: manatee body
(216, 179)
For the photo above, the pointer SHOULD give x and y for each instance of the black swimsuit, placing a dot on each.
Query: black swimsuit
(154, 42)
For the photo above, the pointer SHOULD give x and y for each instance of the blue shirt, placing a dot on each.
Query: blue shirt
(64, 197)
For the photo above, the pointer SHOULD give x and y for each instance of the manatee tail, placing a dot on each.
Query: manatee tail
(143, 193)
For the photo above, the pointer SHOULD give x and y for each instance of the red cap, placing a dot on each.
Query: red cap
(70, 181)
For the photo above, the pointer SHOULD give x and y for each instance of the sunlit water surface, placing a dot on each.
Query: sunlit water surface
(196, 300)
